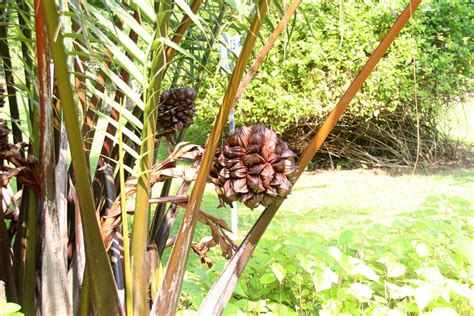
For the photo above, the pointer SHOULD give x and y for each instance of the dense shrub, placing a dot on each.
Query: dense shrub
(325, 47)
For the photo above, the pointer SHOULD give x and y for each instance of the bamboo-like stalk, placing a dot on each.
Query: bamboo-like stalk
(125, 233)
(140, 223)
(168, 295)
(99, 269)
(222, 290)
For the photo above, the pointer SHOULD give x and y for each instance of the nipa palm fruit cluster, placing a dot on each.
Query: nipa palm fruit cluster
(254, 167)
(177, 108)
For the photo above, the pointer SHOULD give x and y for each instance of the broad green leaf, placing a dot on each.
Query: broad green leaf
(231, 310)
(7, 307)
(279, 271)
(360, 291)
(422, 250)
(367, 272)
(462, 290)
(465, 247)
(423, 296)
(399, 292)
(395, 269)
(345, 238)
(346, 262)
(268, 278)
(281, 309)
(432, 274)
(324, 279)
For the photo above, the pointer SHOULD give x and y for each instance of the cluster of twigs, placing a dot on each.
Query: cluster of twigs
(388, 141)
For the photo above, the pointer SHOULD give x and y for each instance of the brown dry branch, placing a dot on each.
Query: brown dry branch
(166, 169)
(20, 167)
(388, 141)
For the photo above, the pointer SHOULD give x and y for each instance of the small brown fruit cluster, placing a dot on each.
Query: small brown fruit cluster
(177, 108)
(254, 167)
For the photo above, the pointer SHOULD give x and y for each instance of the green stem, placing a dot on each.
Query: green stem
(125, 233)
(84, 301)
(140, 223)
(29, 281)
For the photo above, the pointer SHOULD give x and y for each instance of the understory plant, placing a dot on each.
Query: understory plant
(418, 263)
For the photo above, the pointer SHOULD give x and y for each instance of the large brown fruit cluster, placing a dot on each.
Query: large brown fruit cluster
(254, 167)
(177, 108)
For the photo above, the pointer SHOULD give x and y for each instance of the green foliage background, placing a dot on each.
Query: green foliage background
(321, 53)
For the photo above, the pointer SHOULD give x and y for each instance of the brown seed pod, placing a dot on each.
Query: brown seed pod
(177, 108)
(254, 167)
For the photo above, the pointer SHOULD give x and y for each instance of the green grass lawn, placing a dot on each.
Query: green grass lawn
(328, 202)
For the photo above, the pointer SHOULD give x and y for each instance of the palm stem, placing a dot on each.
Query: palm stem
(99, 269)
(140, 223)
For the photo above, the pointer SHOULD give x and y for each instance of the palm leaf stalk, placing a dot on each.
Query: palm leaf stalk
(140, 223)
(44, 98)
(28, 206)
(222, 290)
(53, 283)
(99, 269)
(168, 295)
(125, 233)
